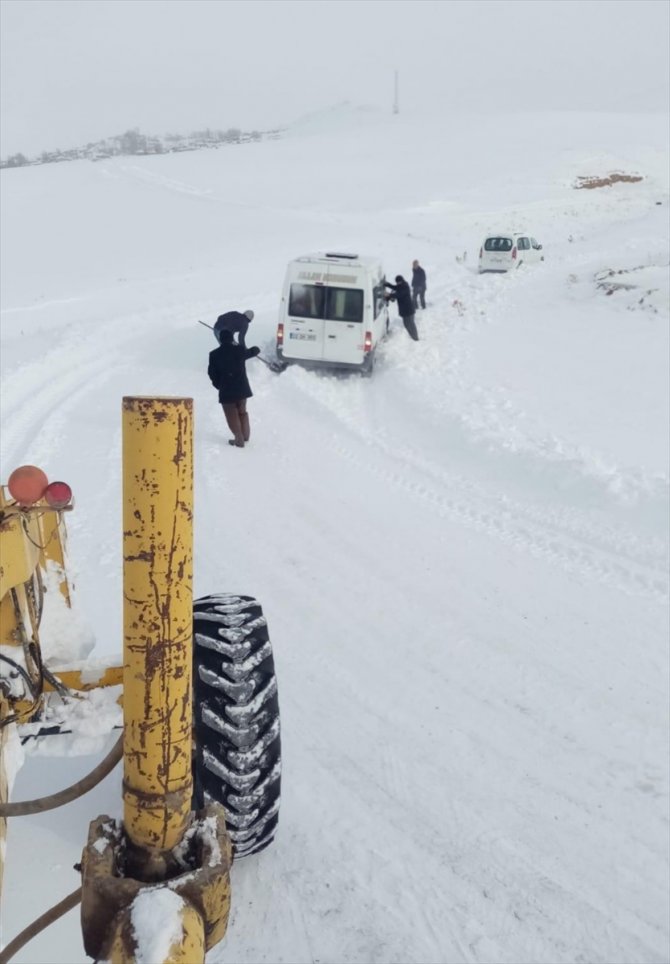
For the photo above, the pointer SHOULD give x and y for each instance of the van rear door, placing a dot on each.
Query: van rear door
(344, 331)
(304, 327)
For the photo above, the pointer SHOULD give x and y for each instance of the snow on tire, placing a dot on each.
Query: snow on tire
(236, 715)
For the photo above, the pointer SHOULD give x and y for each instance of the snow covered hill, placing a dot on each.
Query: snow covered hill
(463, 560)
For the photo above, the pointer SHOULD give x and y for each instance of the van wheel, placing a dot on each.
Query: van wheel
(236, 718)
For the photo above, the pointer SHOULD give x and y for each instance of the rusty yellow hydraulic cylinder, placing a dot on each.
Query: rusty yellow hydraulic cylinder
(157, 621)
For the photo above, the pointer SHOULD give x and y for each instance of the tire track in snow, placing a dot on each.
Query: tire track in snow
(575, 544)
(28, 412)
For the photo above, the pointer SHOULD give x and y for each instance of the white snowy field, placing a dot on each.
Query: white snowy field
(463, 560)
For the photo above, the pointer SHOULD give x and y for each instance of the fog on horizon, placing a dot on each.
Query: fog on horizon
(72, 72)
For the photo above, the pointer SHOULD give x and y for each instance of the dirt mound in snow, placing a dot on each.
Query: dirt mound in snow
(607, 181)
(643, 287)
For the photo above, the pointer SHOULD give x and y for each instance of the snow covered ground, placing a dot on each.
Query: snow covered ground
(463, 560)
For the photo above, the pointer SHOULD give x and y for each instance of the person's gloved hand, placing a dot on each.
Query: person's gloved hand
(255, 350)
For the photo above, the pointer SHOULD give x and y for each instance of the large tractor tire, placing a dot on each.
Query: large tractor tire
(236, 716)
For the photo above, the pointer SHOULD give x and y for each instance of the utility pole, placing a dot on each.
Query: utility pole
(396, 108)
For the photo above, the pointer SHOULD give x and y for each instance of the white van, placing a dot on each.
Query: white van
(333, 313)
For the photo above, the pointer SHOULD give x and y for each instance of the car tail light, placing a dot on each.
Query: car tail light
(58, 495)
(481, 252)
(514, 253)
(368, 341)
(280, 335)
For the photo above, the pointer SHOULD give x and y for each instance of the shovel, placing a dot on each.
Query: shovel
(275, 366)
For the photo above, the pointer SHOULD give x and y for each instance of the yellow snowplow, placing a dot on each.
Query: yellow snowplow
(199, 787)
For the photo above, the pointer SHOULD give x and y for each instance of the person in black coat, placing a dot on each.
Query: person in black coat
(228, 373)
(418, 285)
(402, 294)
(236, 322)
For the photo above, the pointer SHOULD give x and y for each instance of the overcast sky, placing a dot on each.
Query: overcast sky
(74, 71)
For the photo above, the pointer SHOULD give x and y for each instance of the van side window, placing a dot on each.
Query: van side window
(306, 301)
(378, 298)
(524, 244)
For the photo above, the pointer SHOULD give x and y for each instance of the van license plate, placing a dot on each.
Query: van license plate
(299, 336)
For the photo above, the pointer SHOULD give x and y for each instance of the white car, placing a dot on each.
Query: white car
(506, 251)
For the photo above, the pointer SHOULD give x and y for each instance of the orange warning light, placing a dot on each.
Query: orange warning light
(27, 484)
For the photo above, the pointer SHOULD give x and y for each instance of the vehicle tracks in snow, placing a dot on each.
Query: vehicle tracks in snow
(564, 536)
(28, 414)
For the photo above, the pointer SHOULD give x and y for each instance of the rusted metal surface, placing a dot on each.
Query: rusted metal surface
(80, 679)
(54, 539)
(198, 871)
(19, 551)
(157, 587)
(127, 946)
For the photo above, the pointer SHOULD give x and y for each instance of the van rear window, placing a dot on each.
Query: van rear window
(306, 301)
(498, 244)
(321, 301)
(344, 304)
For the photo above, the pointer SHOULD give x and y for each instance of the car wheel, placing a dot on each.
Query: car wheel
(236, 718)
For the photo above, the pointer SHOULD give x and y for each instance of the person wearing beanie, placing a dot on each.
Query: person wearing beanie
(400, 292)
(236, 322)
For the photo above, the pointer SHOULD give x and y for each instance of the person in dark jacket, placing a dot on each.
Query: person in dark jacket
(228, 373)
(418, 285)
(235, 321)
(401, 294)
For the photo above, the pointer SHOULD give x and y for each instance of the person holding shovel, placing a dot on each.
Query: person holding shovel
(236, 322)
(228, 374)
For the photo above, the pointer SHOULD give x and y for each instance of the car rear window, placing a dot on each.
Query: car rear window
(498, 244)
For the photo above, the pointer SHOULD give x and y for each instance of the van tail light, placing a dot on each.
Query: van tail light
(481, 252)
(368, 341)
(280, 335)
(58, 495)
(514, 253)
